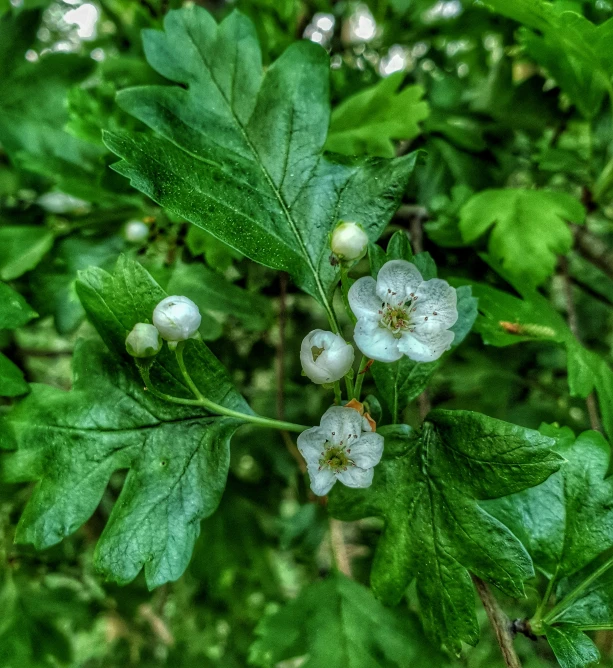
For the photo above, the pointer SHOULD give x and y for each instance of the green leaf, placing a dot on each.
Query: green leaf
(14, 310)
(567, 521)
(401, 382)
(529, 228)
(336, 622)
(426, 490)
(22, 248)
(12, 383)
(238, 152)
(573, 649)
(367, 122)
(72, 442)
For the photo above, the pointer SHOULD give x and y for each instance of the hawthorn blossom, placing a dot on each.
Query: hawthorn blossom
(401, 314)
(177, 318)
(325, 356)
(349, 241)
(143, 341)
(339, 450)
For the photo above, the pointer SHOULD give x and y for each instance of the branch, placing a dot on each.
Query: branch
(500, 623)
(593, 248)
(339, 548)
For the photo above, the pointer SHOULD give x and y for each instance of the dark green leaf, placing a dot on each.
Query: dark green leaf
(22, 248)
(14, 310)
(573, 649)
(426, 491)
(247, 166)
(12, 383)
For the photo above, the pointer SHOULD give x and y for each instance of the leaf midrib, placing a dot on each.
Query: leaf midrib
(278, 196)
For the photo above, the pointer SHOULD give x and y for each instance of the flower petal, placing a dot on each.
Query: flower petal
(363, 298)
(322, 480)
(341, 426)
(425, 346)
(376, 342)
(311, 445)
(354, 476)
(396, 280)
(436, 305)
(367, 452)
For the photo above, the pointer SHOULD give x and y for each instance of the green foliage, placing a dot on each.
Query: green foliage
(22, 249)
(572, 648)
(336, 622)
(530, 228)
(277, 199)
(367, 122)
(426, 490)
(14, 312)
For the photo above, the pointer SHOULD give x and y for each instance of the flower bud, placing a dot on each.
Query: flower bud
(177, 318)
(325, 356)
(136, 231)
(143, 341)
(349, 241)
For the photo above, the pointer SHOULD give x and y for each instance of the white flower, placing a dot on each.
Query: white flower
(136, 231)
(143, 341)
(349, 241)
(401, 314)
(177, 318)
(325, 357)
(339, 450)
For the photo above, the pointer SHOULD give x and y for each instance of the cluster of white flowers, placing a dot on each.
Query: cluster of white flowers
(397, 314)
(175, 319)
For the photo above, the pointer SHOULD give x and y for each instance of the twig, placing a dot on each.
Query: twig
(573, 324)
(339, 548)
(500, 623)
(593, 249)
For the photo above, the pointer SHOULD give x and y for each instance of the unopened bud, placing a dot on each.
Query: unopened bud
(349, 241)
(177, 318)
(143, 341)
(325, 356)
(136, 231)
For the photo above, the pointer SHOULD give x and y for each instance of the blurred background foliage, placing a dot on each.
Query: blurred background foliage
(472, 89)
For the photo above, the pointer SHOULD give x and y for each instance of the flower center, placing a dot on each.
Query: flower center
(335, 458)
(396, 317)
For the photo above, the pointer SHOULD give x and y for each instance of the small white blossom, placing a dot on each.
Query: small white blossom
(401, 314)
(349, 241)
(177, 318)
(339, 450)
(136, 231)
(325, 356)
(143, 341)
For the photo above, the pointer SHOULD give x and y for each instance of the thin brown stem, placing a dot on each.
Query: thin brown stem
(501, 624)
(573, 324)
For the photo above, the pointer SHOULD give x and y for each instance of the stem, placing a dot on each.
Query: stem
(337, 393)
(349, 385)
(536, 620)
(576, 592)
(360, 379)
(500, 623)
(339, 549)
(211, 405)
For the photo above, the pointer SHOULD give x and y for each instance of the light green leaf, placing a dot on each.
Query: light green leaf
(238, 152)
(22, 248)
(426, 490)
(367, 122)
(14, 310)
(573, 649)
(529, 228)
(336, 622)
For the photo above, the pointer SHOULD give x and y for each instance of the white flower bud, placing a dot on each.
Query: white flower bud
(177, 318)
(325, 356)
(136, 231)
(143, 341)
(349, 241)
